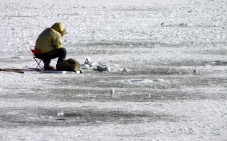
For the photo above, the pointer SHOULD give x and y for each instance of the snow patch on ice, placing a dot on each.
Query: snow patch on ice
(90, 65)
(144, 81)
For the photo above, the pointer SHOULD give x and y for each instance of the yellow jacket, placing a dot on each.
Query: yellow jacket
(51, 38)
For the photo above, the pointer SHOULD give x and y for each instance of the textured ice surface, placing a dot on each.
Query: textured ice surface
(166, 69)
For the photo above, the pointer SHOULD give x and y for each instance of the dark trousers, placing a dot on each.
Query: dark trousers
(57, 53)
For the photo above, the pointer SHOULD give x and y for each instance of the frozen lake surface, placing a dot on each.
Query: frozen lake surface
(167, 78)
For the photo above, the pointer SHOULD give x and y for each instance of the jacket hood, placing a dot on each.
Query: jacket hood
(59, 27)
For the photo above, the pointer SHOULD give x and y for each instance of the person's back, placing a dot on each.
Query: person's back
(45, 40)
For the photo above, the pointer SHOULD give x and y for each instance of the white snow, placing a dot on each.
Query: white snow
(166, 77)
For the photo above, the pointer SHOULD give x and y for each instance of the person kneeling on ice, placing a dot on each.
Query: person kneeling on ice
(49, 42)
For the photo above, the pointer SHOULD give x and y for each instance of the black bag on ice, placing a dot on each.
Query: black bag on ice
(68, 65)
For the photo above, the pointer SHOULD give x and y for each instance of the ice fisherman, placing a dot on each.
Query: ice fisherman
(49, 42)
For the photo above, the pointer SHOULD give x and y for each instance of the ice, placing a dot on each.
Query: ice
(165, 77)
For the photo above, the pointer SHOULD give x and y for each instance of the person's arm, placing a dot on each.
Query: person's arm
(57, 41)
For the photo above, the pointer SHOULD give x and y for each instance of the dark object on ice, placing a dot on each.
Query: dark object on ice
(19, 70)
(183, 25)
(13, 70)
(68, 65)
(162, 24)
(194, 71)
(102, 68)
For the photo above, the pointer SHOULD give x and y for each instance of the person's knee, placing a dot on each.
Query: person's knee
(62, 49)
(62, 52)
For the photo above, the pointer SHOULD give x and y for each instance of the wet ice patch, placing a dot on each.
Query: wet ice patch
(218, 63)
(17, 57)
(76, 117)
(163, 24)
